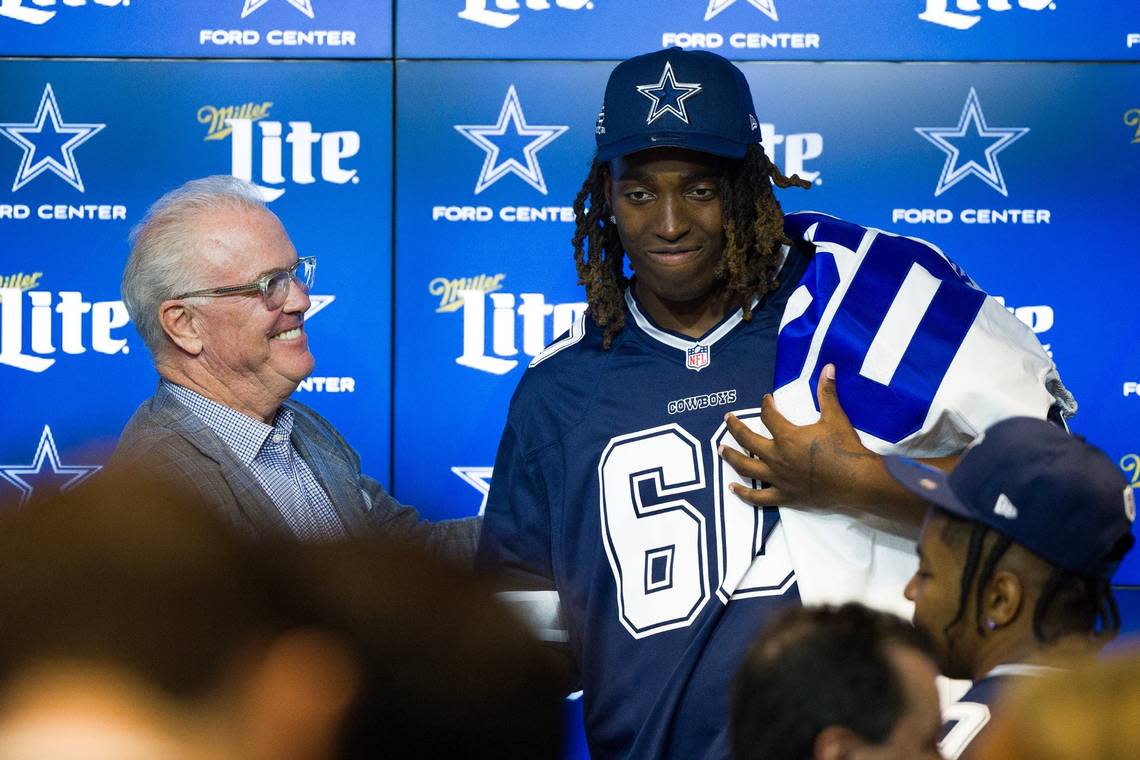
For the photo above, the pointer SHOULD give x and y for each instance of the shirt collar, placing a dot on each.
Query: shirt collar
(243, 434)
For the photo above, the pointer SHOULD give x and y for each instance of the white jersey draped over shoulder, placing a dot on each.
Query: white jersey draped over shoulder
(925, 361)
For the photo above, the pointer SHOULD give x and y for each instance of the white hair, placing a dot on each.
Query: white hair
(164, 243)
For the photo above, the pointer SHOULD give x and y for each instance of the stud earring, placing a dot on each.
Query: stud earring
(990, 624)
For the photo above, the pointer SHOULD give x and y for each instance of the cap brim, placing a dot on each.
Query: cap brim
(717, 146)
(930, 484)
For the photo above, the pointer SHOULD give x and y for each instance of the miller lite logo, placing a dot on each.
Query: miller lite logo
(17, 11)
(938, 11)
(697, 357)
(1132, 119)
(60, 321)
(539, 321)
(310, 153)
(480, 12)
(217, 118)
(1130, 464)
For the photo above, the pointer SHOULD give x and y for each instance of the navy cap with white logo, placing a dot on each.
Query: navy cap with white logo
(1030, 480)
(677, 98)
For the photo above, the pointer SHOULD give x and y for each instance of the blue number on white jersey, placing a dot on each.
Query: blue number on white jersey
(893, 306)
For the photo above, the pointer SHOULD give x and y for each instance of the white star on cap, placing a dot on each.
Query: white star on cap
(672, 95)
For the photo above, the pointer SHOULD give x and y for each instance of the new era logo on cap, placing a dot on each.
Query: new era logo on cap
(1004, 508)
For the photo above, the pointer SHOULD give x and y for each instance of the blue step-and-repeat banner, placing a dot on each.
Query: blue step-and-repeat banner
(428, 155)
(90, 144)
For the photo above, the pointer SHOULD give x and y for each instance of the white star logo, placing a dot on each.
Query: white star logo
(478, 478)
(767, 7)
(65, 478)
(668, 95)
(49, 144)
(305, 6)
(511, 125)
(971, 126)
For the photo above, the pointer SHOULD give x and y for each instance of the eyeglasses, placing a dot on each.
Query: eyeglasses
(273, 286)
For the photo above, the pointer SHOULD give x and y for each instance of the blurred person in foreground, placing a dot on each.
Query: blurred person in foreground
(219, 295)
(825, 683)
(445, 670)
(136, 624)
(1016, 558)
(1088, 712)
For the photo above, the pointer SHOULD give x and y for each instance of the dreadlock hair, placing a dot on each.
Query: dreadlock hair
(1068, 604)
(753, 230)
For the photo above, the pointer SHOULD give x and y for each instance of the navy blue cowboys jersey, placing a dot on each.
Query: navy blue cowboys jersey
(964, 720)
(608, 485)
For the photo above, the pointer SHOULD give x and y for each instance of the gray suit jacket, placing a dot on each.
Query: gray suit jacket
(167, 440)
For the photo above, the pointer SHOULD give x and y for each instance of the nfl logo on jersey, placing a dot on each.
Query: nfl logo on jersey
(697, 357)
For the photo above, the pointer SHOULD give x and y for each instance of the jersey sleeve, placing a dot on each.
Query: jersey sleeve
(999, 371)
(962, 723)
(515, 539)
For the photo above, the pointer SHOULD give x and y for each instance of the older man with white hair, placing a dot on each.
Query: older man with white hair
(218, 294)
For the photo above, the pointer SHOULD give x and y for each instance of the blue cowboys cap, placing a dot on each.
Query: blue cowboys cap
(676, 98)
(1028, 479)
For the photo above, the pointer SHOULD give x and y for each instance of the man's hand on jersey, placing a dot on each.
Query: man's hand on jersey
(819, 465)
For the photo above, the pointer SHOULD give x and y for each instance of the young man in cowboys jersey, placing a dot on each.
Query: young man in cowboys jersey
(609, 483)
(1015, 561)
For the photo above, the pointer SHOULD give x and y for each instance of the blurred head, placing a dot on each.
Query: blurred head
(127, 574)
(123, 602)
(847, 682)
(239, 348)
(681, 183)
(1018, 550)
(1084, 712)
(446, 671)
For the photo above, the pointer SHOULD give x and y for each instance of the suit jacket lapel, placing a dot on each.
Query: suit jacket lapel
(250, 498)
(334, 472)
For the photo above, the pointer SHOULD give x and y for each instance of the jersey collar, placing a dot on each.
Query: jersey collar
(683, 343)
(1021, 669)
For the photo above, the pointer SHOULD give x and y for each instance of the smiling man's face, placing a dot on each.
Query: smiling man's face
(255, 357)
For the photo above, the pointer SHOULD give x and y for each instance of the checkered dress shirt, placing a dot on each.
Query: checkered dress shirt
(269, 453)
